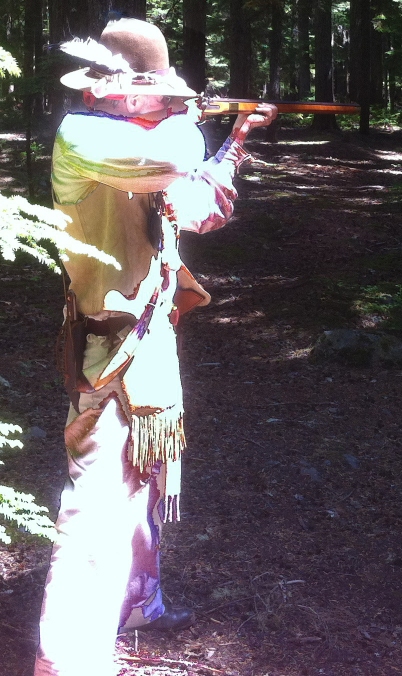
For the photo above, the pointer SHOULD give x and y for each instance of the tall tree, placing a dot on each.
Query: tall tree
(275, 49)
(386, 52)
(194, 42)
(67, 19)
(133, 8)
(32, 49)
(275, 41)
(340, 54)
(394, 62)
(292, 53)
(304, 10)
(240, 49)
(97, 11)
(32, 36)
(323, 61)
(360, 34)
(377, 67)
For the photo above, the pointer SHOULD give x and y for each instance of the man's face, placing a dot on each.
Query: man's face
(131, 105)
(144, 104)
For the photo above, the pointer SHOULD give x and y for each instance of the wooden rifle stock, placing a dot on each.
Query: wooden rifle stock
(223, 106)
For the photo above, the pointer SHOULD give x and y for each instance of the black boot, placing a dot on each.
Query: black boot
(173, 619)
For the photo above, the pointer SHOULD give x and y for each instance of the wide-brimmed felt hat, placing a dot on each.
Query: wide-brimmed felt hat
(131, 57)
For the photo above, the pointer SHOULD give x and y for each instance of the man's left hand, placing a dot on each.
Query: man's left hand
(264, 114)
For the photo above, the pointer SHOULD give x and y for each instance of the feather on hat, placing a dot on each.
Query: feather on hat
(130, 58)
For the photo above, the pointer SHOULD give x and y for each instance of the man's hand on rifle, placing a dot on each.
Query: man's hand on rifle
(264, 114)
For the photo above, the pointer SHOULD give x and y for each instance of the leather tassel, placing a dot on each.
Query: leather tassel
(159, 436)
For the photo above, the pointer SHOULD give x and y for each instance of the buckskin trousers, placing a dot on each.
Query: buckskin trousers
(104, 570)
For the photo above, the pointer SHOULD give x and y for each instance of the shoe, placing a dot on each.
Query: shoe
(173, 619)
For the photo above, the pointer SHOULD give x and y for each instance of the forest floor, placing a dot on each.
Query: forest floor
(289, 549)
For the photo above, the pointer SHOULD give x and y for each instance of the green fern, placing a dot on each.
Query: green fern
(5, 430)
(24, 225)
(21, 508)
(8, 64)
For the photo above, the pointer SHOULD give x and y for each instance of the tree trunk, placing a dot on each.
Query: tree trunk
(304, 10)
(275, 49)
(98, 11)
(194, 27)
(38, 56)
(292, 53)
(360, 34)
(133, 8)
(365, 76)
(32, 36)
(341, 64)
(396, 49)
(67, 19)
(323, 62)
(275, 41)
(240, 52)
(377, 67)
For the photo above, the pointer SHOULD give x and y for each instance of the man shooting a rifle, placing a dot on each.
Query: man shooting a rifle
(129, 172)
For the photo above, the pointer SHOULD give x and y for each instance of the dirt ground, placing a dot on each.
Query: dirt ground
(289, 549)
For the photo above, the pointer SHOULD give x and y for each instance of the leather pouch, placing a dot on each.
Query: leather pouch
(72, 343)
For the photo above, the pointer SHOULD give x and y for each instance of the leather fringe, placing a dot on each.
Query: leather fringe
(159, 436)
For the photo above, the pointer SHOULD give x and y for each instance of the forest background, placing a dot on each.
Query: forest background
(276, 49)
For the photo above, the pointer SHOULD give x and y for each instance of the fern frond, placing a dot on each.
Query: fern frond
(8, 64)
(22, 509)
(23, 225)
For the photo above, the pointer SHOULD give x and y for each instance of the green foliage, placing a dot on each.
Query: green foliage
(23, 226)
(8, 64)
(384, 302)
(382, 117)
(168, 17)
(5, 430)
(372, 300)
(387, 16)
(20, 508)
(395, 194)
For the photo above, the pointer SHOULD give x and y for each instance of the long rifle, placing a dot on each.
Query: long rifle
(223, 106)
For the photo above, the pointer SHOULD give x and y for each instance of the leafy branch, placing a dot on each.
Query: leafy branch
(8, 64)
(26, 514)
(21, 507)
(5, 430)
(24, 225)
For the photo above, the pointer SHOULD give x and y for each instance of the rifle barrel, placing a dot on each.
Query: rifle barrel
(224, 106)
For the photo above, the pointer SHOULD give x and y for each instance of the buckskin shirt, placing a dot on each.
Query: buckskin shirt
(106, 173)
(128, 190)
